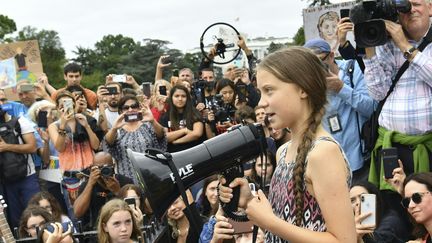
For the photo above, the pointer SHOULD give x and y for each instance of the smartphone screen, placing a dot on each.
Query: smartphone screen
(133, 117)
(162, 90)
(130, 201)
(120, 78)
(344, 12)
(146, 89)
(368, 205)
(390, 161)
(42, 119)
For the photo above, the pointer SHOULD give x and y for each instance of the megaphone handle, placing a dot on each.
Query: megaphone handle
(230, 174)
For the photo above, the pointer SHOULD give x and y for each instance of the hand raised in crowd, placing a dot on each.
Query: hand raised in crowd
(65, 116)
(43, 80)
(82, 119)
(333, 82)
(95, 175)
(258, 209)
(360, 228)
(343, 27)
(245, 77)
(200, 106)
(223, 230)
(108, 78)
(43, 134)
(57, 235)
(160, 64)
(242, 44)
(131, 80)
(119, 122)
(40, 90)
(147, 114)
(398, 178)
(225, 193)
(101, 94)
(139, 216)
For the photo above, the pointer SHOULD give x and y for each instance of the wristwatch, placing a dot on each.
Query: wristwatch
(407, 54)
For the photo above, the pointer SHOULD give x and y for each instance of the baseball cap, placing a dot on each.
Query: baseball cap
(318, 46)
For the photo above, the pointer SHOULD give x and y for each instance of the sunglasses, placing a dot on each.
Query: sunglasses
(134, 106)
(3, 99)
(415, 197)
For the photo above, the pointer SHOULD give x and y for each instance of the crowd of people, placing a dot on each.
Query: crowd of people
(66, 169)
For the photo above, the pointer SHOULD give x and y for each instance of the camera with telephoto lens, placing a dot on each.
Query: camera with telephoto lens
(106, 170)
(222, 112)
(368, 18)
(198, 93)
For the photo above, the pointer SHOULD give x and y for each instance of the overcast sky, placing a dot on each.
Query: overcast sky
(84, 22)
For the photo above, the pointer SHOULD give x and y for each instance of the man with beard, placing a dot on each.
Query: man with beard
(107, 112)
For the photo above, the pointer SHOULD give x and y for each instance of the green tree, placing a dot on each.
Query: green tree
(7, 26)
(299, 38)
(52, 53)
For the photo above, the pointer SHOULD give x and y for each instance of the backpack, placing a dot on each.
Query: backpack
(13, 166)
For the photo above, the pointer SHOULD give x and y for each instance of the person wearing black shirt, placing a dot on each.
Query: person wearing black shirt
(101, 186)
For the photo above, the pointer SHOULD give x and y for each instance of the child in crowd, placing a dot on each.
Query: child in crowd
(309, 192)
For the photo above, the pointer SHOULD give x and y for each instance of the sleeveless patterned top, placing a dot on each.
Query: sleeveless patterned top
(281, 195)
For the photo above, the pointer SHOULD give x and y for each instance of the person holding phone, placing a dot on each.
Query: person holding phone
(75, 140)
(134, 197)
(388, 227)
(135, 128)
(158, 102)
(313, 175)
(109, 96)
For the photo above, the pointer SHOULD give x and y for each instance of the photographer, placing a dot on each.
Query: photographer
(101, 186)
(405, 119)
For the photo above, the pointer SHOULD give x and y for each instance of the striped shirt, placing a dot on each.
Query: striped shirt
(408, 109)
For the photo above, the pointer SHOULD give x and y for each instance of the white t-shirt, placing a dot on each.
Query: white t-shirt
(110, 115)
(27, 127)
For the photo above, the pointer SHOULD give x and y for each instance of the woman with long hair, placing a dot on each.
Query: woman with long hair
(183, 121)
(309, 191)
(32, 218)
(46, 200)
(117, 224)
(209, 202)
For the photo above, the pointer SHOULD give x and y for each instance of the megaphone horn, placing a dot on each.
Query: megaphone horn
(217, 154)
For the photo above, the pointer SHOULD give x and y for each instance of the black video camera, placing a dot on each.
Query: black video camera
(368, 17)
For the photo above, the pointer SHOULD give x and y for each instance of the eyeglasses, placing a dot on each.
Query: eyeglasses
(415, 197)
(134, 106)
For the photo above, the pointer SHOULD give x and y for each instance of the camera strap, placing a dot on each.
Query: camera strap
(426, 40)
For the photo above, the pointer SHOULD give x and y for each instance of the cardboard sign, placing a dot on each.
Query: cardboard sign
(28, 65)
(321, 22)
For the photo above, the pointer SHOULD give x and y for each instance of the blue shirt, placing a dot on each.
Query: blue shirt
(347, 105)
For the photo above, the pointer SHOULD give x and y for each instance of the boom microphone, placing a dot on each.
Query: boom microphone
(215, 155)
